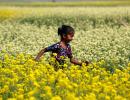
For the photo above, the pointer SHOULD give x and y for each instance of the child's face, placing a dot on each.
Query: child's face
(69, 37)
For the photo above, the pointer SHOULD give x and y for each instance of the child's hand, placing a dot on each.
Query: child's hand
(86, 63)
(36, 59)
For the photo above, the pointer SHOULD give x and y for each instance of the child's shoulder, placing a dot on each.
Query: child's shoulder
(56, 45)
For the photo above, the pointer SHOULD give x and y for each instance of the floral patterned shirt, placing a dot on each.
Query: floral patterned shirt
(60, 51)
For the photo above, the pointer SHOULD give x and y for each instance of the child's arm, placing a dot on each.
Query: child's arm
(40, 54)
(75, 61)
(50, 48)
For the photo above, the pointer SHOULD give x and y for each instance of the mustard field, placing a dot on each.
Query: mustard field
(102, 37)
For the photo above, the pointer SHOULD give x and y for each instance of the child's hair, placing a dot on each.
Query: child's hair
(64, 30)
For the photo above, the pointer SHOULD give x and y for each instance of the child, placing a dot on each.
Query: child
(63, 47)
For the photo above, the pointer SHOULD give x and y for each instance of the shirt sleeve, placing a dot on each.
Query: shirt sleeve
(52, 48)
(69, 52)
